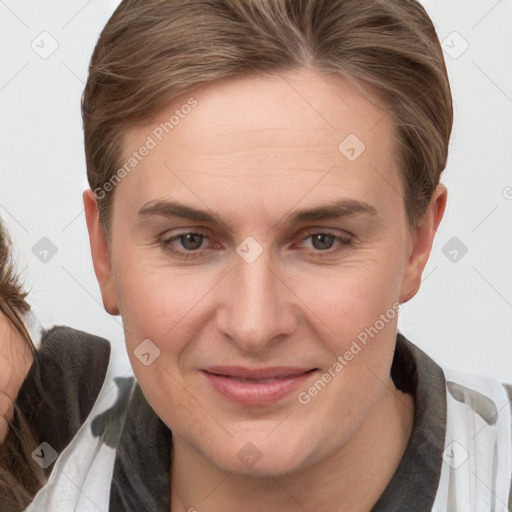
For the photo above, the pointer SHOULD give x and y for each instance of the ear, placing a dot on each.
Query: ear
(422, 240)
(100, 254)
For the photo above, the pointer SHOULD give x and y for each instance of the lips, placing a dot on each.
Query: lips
(258, 386)
(241, 372)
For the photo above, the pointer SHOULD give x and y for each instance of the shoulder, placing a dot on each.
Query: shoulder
(71, 366)
(62, 344)
(75, 353)
(477, 459)
(82, 472)
(469, 416)
(63, 383)
(485, 397)
(96, 404)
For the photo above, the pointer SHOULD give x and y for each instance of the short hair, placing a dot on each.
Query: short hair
(152, 51)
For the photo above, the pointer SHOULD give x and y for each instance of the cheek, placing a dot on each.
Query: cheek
(149, 297)
(163, 305)
(352, 295)
(356, 307)
(154, 307)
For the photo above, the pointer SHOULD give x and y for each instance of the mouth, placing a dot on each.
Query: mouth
(256, 387)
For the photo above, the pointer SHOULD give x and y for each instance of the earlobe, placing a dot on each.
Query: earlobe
(100, 253)
(422, 240)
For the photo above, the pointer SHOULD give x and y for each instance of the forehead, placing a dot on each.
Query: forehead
(297, 101)
(262, 133)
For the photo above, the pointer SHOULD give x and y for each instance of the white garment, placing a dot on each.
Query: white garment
(476, 471)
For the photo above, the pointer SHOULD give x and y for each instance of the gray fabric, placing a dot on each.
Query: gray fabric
(414, 485)
(141, 471)
(70, 366)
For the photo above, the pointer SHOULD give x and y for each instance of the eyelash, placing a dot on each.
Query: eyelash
(190, 255)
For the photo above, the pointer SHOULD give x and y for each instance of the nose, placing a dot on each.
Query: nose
(257, 309)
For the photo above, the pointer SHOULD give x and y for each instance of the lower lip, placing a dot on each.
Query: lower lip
(257, 393)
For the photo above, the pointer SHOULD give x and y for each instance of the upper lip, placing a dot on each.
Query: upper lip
(275, 372)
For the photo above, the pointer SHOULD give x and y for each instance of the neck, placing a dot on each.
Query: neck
(352, 478)
(15, 360)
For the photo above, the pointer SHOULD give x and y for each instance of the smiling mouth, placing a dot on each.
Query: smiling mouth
(254, 381)
(258, 387)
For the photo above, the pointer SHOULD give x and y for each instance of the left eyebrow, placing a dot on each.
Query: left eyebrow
(334, 210)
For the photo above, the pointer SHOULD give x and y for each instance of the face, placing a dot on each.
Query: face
(257, 245)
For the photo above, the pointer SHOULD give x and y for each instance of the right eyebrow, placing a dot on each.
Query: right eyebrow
(170, 208)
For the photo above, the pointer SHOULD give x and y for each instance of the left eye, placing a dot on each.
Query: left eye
(191, 241)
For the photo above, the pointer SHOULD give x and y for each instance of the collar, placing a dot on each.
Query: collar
(415, 481)
(141, 470)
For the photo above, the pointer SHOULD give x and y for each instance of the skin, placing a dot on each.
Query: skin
(15, 360)
(255, 151)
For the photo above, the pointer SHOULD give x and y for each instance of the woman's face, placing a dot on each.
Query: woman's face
(260, 244)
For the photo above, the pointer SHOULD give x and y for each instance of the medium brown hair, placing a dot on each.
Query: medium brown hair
(152, 51)
(20, 476)
(13, 302)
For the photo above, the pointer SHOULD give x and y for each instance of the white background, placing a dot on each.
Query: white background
(462, 316)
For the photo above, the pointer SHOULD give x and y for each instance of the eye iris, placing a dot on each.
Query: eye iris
(191, 241)
(322, 241)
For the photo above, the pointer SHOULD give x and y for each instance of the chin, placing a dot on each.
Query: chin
(259, 457)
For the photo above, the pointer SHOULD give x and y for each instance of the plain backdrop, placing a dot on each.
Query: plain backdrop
(462, 316)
